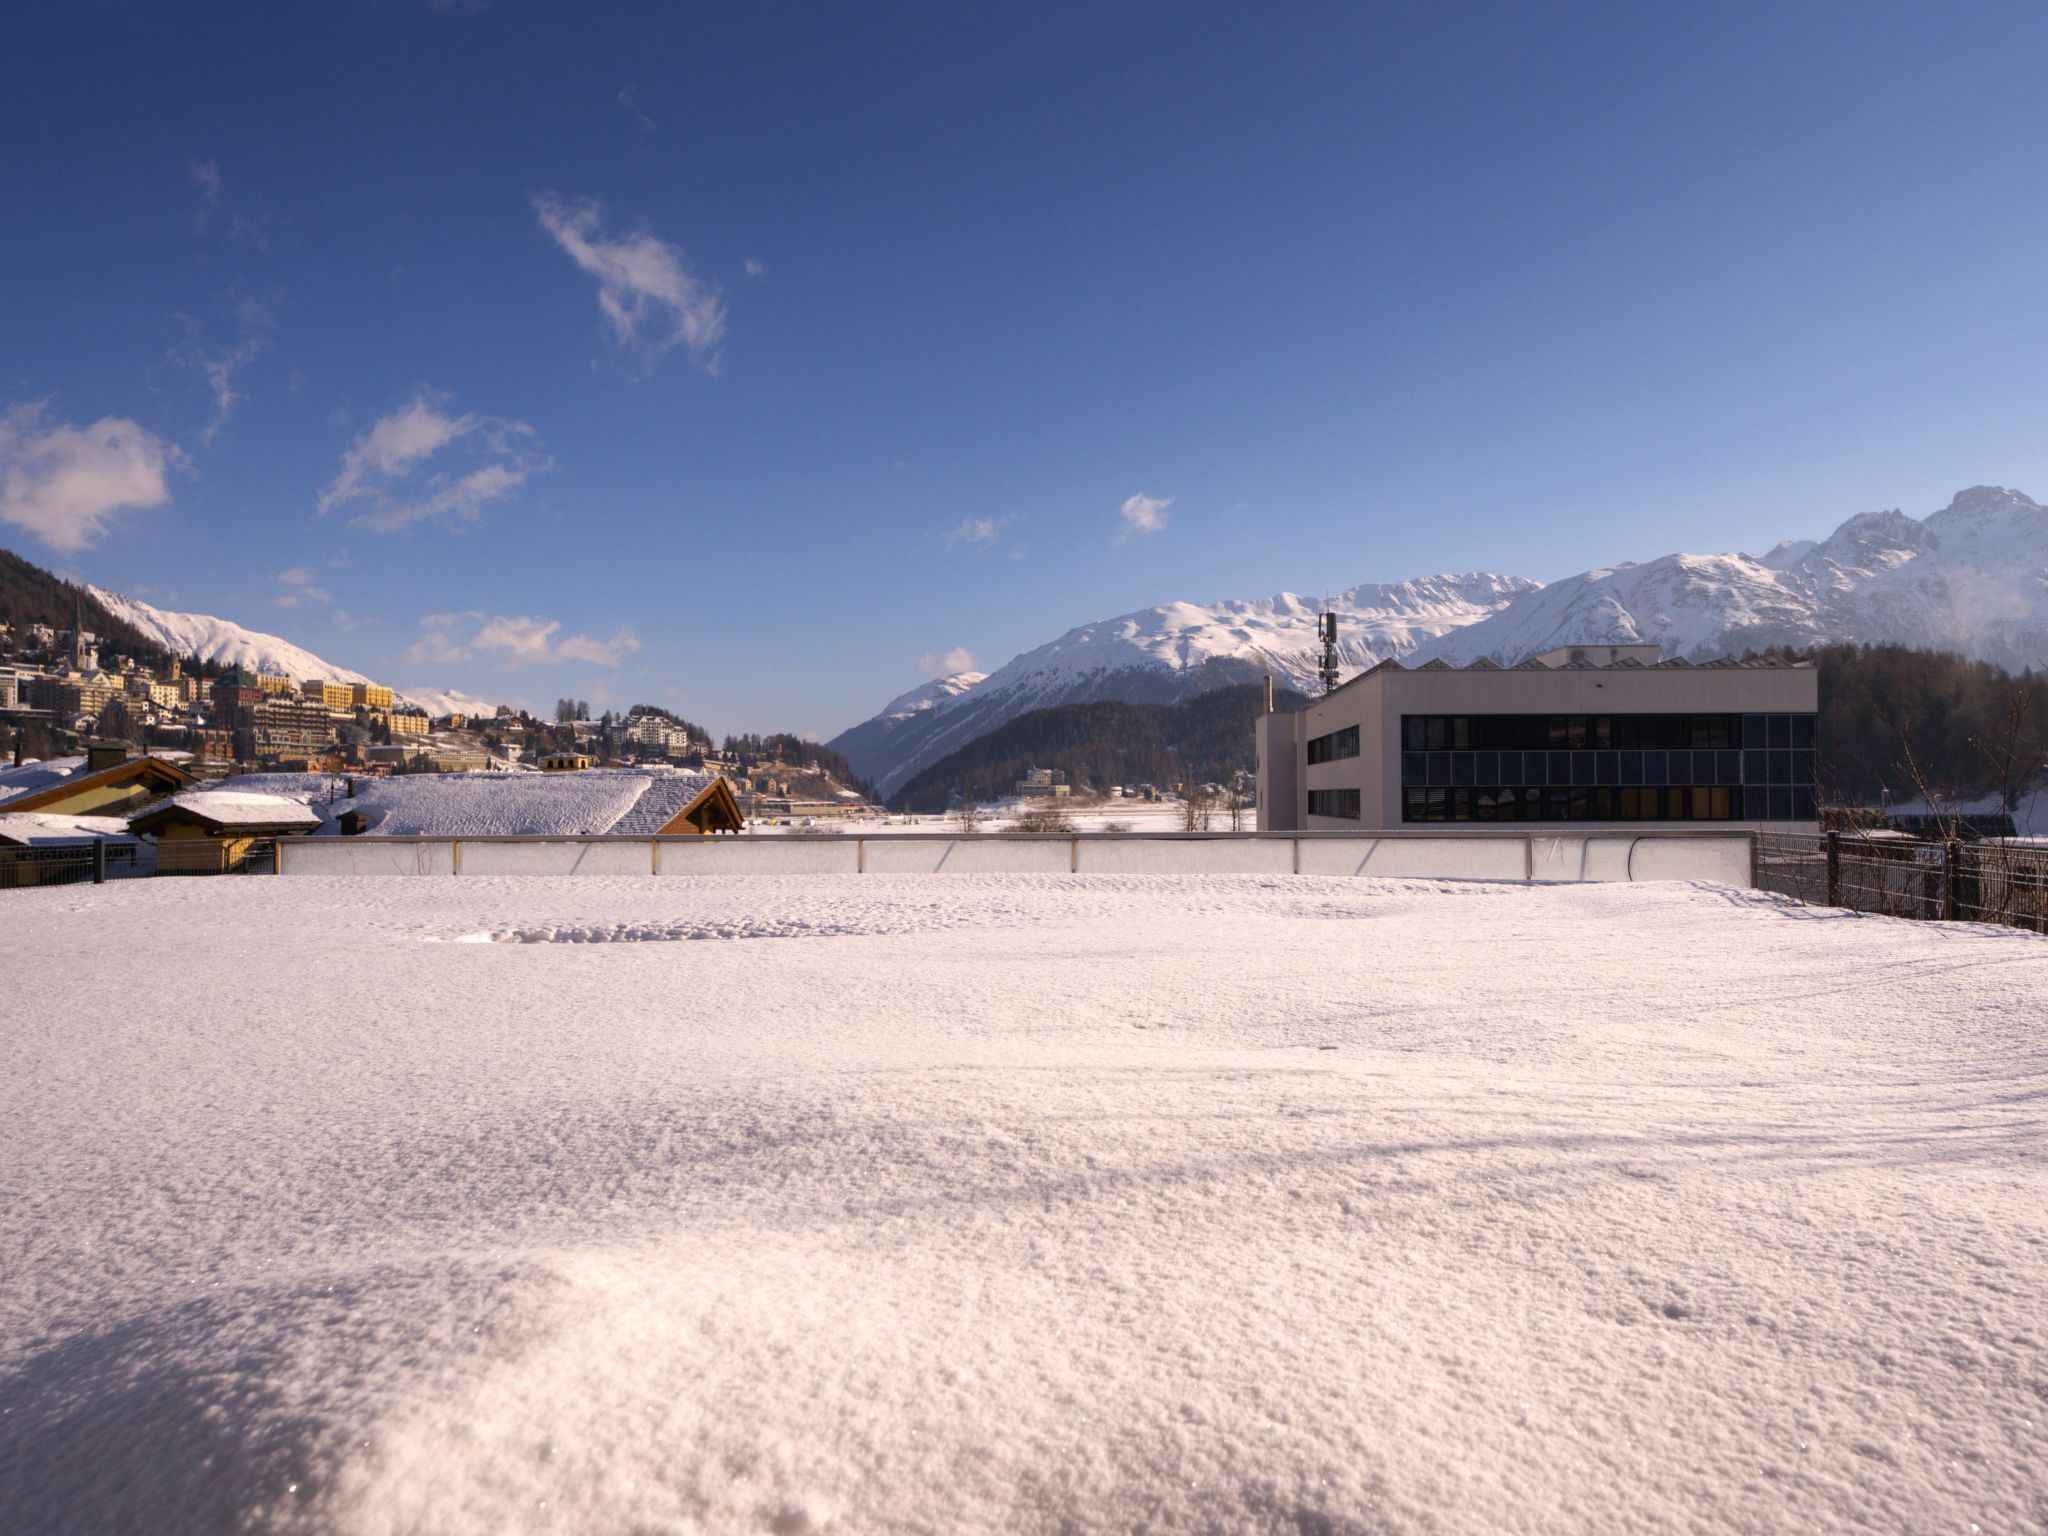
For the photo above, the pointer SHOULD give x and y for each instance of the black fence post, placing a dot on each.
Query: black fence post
(1834, 869)
(99, 861)
(1951, 859)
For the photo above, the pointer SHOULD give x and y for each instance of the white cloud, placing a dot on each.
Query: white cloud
(64, 483)
(756, 269)
(435, 646)
(599, 653)
(516, 640)
(205, 176)
(958, 659)
(385, 466)
(977, 532)
(299, 589)
(1143, 515)
(649, 298)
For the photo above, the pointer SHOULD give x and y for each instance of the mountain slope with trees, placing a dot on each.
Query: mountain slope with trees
(1103, 743)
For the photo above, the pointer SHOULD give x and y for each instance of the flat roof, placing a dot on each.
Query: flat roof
(1625, 664)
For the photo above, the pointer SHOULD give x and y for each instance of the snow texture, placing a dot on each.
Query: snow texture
(1016, 1205)
(636, 802)
(51, 829)
(243, 807)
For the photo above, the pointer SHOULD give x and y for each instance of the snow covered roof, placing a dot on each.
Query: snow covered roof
(595, 802)
(666, 797)
(21, 786)
(48, 829)
(33, 777)
(237, 808)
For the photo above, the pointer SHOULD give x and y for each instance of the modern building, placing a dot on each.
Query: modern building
(1591, 735)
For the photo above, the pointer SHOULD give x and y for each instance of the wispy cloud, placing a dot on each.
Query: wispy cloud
(651, 300)
(389, 468)
(516, 640)
(300, 589)
(64, 483)
(218, 368)
(756, 269)
(1143, 515)
(977, 532)
(945, 664)
(214, 211)
(626, 100)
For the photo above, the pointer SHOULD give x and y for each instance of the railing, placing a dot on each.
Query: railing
(74, 863)
(114, 859)
(1974, 882)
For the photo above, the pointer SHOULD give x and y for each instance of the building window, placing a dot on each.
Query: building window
(1334, 802)
(1338, 744)
(1607, 768)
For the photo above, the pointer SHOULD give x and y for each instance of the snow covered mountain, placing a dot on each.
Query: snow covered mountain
(222, 640)
(1165, 654)
(1972, 578)
(868, 741)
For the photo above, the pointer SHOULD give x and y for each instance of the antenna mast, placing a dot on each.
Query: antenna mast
(1326, 630)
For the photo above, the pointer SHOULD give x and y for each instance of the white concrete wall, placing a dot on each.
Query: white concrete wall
(760, 856)
(625, 857)
(1191, 856)
(1564, 857)
(1415, 858)
(362, 856)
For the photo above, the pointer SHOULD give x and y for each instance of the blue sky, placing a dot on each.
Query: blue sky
(771, 352)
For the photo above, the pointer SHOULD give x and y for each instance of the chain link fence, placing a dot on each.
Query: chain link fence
(1898, 876)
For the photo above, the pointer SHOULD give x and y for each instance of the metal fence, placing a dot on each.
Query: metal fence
(1955, 881)
(113, 859)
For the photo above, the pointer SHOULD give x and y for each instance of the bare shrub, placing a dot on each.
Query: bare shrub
(1044, 816)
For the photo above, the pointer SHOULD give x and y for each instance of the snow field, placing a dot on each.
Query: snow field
(1015, 1204)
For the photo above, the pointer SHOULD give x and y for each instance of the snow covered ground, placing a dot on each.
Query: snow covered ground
(1015, 1204)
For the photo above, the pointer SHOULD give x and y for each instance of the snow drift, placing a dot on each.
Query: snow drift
(1099, 1205)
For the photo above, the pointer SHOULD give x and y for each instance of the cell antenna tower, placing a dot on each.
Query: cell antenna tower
(1326, 630)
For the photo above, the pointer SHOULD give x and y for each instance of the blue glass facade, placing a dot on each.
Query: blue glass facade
(1644, 767)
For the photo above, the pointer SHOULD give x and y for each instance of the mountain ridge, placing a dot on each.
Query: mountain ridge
(1971, 578)
(1172, 652)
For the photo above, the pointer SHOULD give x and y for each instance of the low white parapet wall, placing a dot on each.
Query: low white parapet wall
(1722, 857)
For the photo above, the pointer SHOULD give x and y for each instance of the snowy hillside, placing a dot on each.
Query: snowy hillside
(224, 641)
(1972, 577)
(1165, 654)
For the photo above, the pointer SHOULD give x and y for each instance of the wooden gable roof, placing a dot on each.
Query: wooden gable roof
(714, 809)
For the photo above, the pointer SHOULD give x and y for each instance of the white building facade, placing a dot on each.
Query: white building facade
(1589, 736)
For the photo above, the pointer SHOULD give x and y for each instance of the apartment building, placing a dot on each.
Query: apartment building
(1609, 735)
